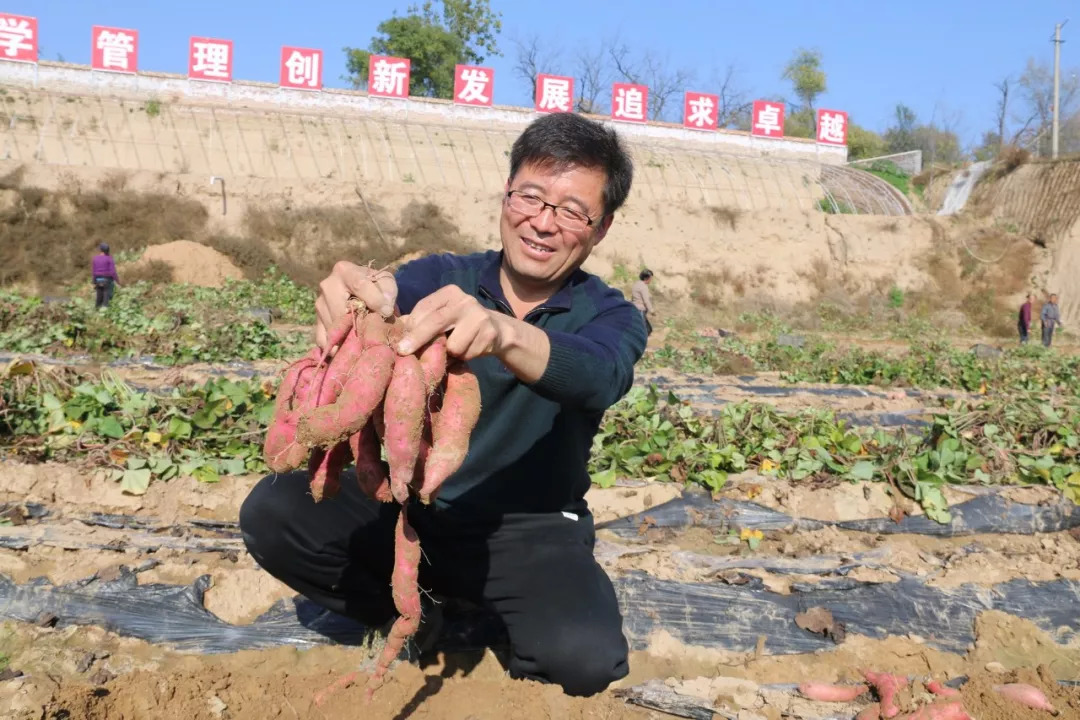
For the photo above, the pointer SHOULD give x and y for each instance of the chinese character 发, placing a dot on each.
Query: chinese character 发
(303, 68)
(116, 48)
(831, 128)
(769, 119)
(628, 104)
(555, 94)
(388, 78)
(475, 81)
(15, 36)
(701, 111)
(211, 59)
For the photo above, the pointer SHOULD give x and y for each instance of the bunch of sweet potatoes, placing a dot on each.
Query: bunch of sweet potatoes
(420, 409)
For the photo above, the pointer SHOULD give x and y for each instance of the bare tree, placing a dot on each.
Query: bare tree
(651, 71)
(1036, 91)
(1002, 109)
(534, 58)
(732, 101)
(592, 77)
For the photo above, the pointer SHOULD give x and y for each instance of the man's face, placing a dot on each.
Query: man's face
(539, 250)
(1053, 298)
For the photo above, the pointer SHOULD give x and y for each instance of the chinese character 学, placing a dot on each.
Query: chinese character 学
(831, 128)
(303, 68)
(211, 59)
(475, 81)
(628, 104)
(555, 94)
(388, 77)
(769, 119)
(701, 109)
(116, 48)
(15, 36)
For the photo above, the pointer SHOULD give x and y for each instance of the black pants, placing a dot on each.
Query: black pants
(103, 288)
(537, 572)
(1047, 335)
(1023, 332)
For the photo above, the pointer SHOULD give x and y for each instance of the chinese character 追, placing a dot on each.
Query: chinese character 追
(555, 94)
(115, 47)
(831, 128)
(211, 59)
(303, 69)
(701, 111)
(15, 35)
(475, 81)
(628, 104)
(388, 78)
(769, 119)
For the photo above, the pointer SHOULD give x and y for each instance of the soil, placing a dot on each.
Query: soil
(191, 262)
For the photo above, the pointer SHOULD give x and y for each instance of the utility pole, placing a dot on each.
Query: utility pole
(1057, 88)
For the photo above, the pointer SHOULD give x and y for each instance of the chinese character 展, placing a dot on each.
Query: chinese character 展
(475, 81)
(303, 69)
(116, 48)
(211, 59)
(388, 77)
(555, 94)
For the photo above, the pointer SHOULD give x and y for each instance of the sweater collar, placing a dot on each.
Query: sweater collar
(491, 287)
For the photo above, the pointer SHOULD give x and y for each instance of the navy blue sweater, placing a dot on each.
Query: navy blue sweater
(530, 449)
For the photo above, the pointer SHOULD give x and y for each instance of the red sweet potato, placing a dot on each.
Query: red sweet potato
(406, 594)
(941, 690)
(451, 427)
(1026, 695)
(372, 472)
(280, 449)
(886, 685)
(831, 693)
(403, 417)
(433, 361)
(328, 425)
(341, 367)
(325, 468)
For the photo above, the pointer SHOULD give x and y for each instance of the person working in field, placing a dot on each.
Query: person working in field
(1050, 318)
(1023, 322)
(103, 275)
(553, 348)
(639, 295)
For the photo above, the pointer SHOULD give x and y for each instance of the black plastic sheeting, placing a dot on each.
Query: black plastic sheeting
(987, 513)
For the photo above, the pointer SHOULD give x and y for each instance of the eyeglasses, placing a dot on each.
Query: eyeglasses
(531, 206)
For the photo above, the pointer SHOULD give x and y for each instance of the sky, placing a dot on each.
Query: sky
(940, 58)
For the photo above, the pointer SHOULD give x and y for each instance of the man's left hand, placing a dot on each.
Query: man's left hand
(474, 331)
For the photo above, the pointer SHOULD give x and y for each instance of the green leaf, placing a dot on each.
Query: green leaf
(862, 470)
(110, 427)
(206, 474)
(135, 482)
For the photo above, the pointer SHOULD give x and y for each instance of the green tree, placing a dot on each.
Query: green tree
(807, 78)
(464, 32)
(863, 142)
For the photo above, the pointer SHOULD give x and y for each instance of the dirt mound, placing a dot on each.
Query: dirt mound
(191, 262)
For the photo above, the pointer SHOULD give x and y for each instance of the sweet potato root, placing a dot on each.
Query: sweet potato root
(363, 391)
(831, 693)
(886, 685)
(450, 429)
(941, 690)
(403, 418)
(325, 468)
(372, 472)
(1026, 695)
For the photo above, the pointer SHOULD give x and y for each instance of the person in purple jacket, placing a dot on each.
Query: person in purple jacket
(103, 272)
(1023, 323)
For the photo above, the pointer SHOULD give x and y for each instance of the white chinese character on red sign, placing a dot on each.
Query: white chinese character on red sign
(472, 85)
(629, 102)
(18, 38)
(388, 76)
(700, 111)
(832, 127)
(301, 68)
(210, 59)
(114, 49)
(554, 93)
(768, 119)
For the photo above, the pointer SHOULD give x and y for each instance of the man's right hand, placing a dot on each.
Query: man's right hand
(377, 290)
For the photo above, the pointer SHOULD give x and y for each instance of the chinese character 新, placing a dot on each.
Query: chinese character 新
(303, 68)
(769, 119)
(701, 109)
(15, 35)
(211, 59)
(831, 128)
(475, 81)
(628, 104)
(555, 94)
(116, 48)
(388, 77)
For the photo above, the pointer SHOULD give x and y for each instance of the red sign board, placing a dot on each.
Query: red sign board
(18, 38)
(114, 49)
(701, 111)
(301, 68)
(768, 119)
(210, 59)
(554, 93)
(629, 102)
(832, 127)
(388, 76)
(473, 85)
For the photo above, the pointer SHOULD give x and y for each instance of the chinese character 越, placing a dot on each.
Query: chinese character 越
(768, 119)
(701, 111)
(303, 68)
(628, 104)
(555, 94)
(475, 81)
(116, 48)
(831, 128)
(388, 78)
(15, 36)
(211, 59)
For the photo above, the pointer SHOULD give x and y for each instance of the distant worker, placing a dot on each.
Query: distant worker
(1024, 322)
(103, 272)
(1051, 319)
(639, 295)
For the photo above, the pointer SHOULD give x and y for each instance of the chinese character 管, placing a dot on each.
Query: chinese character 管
(554, 94)
(472, 82)
(628, 102)
(700, 111)
(116, 48)
(210, 59)
(18, 37)
(301, 68)
(832, 127)
(388, 76)
(768, 118)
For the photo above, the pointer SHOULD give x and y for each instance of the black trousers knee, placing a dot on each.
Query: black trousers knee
(536, 571)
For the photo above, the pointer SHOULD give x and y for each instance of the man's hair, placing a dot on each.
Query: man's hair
(645, 274)
(561, 140)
